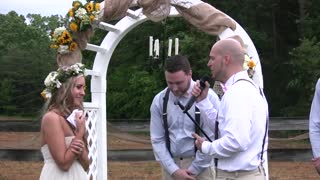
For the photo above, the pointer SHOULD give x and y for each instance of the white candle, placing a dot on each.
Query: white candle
(169, 47)
(176, 46)
(156, 47)
(150, 45)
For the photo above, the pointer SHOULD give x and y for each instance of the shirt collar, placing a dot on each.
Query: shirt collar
(234, 78)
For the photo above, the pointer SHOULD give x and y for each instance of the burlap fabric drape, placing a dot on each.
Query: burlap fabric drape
(70, 58)
(201, 15)
(155, 10)
(206, 17)
(115, 9)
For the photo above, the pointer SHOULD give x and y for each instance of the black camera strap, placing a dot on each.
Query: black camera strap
(165, 120)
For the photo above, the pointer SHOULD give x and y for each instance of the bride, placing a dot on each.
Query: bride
(63, 131)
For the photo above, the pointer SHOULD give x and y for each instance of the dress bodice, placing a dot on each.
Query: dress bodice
(51, 170)
(46, 153)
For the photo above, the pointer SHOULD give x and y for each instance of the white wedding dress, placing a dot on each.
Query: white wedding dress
(51, 170)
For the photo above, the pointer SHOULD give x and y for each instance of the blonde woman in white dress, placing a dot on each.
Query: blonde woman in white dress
(63, 142)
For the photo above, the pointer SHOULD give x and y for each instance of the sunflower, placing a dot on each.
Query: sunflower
(71, 12)
(73, 26)
(73, 46)
(97, 6)
(89, 7)
(76, 4)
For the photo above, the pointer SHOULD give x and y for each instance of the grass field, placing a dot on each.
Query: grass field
(137, 170)
(150, 170)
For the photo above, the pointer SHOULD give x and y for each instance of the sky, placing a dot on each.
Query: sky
(42, 7)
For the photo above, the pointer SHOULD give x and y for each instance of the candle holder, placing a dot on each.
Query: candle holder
(157, 60)
(154, 50)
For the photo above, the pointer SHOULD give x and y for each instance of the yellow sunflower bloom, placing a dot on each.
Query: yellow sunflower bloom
(73, 46)
(97, 7)
(89, 7)
(73, 26)
(70, 12)
(60, 40)
(66, 36)
(76, 4)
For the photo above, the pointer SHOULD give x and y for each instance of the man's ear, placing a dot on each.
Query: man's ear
(227, 59)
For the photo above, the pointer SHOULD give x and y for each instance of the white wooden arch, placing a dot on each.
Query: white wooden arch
(96, 109)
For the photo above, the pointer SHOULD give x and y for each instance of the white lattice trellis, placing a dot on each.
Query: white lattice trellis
(91, 125)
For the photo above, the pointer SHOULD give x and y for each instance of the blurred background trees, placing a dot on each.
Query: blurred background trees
(284, 32)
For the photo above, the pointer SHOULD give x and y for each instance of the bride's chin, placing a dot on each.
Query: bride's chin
(78, 104)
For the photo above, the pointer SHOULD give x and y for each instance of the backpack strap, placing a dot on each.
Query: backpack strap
(165, 120)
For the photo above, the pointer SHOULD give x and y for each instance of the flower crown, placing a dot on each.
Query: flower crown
(55, 79)
(80, 17)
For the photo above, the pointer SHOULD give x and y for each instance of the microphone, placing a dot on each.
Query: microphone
(193, 98)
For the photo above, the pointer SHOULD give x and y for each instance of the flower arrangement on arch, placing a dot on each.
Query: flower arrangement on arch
(80, 17)
(55, 79)
(249, 65)
(62, 40)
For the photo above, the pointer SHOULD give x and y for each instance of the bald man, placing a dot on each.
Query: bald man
(242, 116)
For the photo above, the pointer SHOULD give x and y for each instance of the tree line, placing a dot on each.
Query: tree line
(284, 32)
